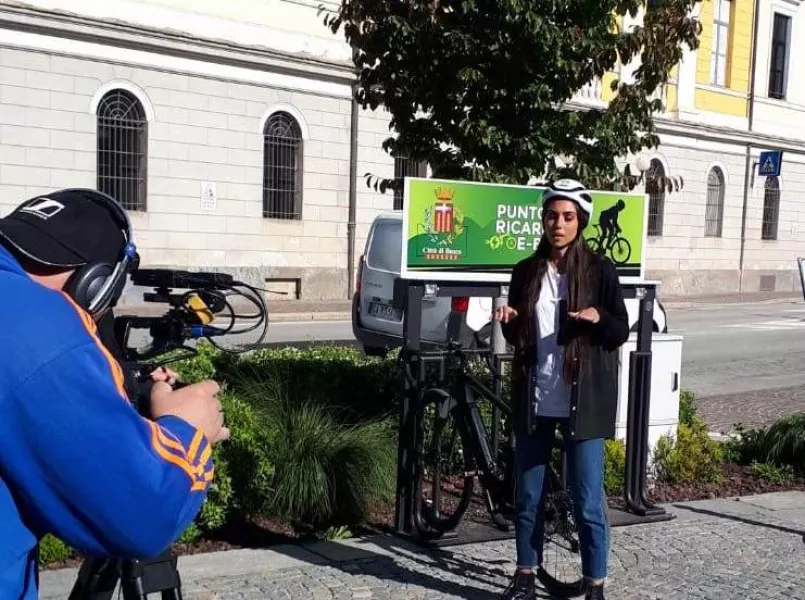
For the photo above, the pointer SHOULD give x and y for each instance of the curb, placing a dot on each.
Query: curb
(307, 316)
(716, 303)
(677, 305)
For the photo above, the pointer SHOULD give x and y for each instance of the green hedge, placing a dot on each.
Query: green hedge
(779, 446)
(314, 440)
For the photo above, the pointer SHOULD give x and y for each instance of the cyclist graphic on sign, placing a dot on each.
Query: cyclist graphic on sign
(608, 241)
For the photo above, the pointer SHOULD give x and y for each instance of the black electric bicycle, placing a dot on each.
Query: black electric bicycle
(455, 449)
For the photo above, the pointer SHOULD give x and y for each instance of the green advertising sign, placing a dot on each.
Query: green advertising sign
(466, 231)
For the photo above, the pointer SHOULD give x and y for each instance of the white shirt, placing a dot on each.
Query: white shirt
(551, 392)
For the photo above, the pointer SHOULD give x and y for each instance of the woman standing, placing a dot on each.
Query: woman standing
(565, 318)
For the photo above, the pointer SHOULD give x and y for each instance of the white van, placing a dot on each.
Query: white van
(378, 325)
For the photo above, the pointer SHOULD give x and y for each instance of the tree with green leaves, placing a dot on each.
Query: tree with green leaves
(482, 89)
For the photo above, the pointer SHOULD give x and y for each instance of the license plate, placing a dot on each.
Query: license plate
(384, 311)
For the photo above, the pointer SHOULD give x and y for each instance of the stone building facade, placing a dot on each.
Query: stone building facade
(228, 132)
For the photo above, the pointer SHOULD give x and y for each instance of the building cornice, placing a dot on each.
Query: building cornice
(724, 134)
(713, 133)
(171, 43)
(178, 44)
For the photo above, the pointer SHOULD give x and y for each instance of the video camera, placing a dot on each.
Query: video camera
(191, 312)
(195, 300)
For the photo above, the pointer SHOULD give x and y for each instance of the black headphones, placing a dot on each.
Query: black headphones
(97, 286)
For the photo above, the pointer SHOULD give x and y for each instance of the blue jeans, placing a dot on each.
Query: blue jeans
(585, 465)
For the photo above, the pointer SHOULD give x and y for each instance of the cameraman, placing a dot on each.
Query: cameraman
(76, 459)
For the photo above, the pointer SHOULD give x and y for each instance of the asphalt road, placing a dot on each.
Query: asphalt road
(736, 348)
(727, 348)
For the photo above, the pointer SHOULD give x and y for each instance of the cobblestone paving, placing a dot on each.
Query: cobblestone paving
(704, 554)
(722, 412)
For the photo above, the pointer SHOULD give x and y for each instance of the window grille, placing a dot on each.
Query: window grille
(656, 197)
(771, 208)
(122, 149)
(282, 168)
(714, 207)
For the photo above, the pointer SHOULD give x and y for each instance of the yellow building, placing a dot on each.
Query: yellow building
(730, 228)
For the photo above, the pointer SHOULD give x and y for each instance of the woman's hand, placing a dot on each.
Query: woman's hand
(588, 314)
(504, 314)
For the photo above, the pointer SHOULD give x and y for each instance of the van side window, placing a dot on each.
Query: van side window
(385, 252)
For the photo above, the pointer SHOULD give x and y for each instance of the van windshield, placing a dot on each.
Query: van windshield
(385, 252)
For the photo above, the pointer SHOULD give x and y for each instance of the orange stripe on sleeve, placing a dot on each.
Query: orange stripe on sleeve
(205, 455)
(194, 445)
(204, 480)
(89, 325)
(170, 443)
(172, 458)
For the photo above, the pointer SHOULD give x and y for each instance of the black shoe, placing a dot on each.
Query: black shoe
(595, 592)
(522, 587)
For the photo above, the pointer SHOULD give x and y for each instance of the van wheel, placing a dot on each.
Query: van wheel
(378, 352)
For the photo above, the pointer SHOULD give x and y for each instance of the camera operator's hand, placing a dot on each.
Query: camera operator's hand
(164, 374)
(198, 404)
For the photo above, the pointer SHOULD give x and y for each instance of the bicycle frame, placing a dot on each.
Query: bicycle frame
(469, 387)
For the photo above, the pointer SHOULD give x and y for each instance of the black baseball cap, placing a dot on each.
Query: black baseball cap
(67, 228)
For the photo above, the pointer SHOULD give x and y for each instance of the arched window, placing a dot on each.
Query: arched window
(405, 167)
(714, 207)
(771, 208)
(123, 148)
(656, 196)
(282, 167)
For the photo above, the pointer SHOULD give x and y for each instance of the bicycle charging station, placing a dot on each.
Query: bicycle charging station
(461, 239)
(408, 296)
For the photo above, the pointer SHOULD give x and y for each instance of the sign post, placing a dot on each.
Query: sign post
(801, 265)
(467, 231)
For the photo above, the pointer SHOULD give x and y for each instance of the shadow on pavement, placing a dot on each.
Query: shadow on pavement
(721, 515)
(389, 558)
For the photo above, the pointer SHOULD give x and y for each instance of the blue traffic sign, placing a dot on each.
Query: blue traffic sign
(770, 163)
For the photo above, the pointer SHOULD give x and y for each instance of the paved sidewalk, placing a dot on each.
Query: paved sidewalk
(340, 310)
(278, 312)
(678, 302)
(716, 549)
(751, 409)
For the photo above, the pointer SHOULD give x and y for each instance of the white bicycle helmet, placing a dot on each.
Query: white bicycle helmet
(569, 189)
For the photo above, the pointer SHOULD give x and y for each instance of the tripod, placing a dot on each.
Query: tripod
(98, 578)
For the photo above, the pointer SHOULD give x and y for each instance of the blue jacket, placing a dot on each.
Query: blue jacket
(76, 459)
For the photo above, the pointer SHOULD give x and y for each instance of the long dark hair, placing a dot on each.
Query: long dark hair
(577, 264)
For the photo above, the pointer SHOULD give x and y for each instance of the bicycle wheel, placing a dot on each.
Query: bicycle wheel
(445, 469)
(561, 572)
(621, 251)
